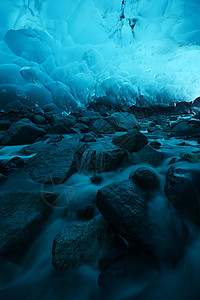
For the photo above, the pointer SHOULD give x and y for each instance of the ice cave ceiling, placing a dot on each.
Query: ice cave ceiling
(68, 51)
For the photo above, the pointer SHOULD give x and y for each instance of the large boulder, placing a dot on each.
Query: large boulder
(182, 188)
(53, 164)
(147, 155)
(23, 216)
(123, 121)
(187, 128)
(21, 133)
(140, 220)
(124, 205)
(99, 156)
(79, 244)
(132, 141)
(101, 126)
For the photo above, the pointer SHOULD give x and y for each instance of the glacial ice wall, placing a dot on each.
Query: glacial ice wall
(70, 51)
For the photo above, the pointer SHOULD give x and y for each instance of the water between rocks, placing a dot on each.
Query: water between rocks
(37, 279)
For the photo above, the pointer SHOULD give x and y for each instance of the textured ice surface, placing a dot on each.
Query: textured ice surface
(73, 50)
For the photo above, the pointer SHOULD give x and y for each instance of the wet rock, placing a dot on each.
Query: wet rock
(145, 177)
(101, 126)
(81, 127)
(51, 108)
(89, 137)
(13, 164)
(54, 164)
(62, 124)
(39, 120)
(100, 156)
(21, 133)
(183, 190)
(132, 141)
(187, 128)
(79, 244)
(123, 121)
(146, 155)
(96, 179)
(155, 145)
(124, 205)
(23, 216)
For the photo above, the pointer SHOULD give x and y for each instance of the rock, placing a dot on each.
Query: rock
(3, 178)
(79, 244)
(188, 128)
(146, 155)
(81, 127)
(23, 216)
(51, 108)
(21, 133)
(39, 120)
(123, 121)
(145, 177)
(62, 124)
(13, 164)
(89, 137)
(100, 156)
(54, 164)
(96, 179)
(132, 141)
(101, 126)
(183, 190)
(155, 145)
(124, 205)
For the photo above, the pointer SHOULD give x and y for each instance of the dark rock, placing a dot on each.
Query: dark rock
(62, 124)
(146, 155)
(23, 216)
(97, 179)
(155, 145)
(124, 205)
(89, 137)
(123, 121)
(79, 244)
(183, 190)
(145, 177)
(101, 126)
(132, 141)
(188, 128)
(82, 127)
(51, 108)
(39, 120)
(55, 164)
(21, 133)
(100, 156)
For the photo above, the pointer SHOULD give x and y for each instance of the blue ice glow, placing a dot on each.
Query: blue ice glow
(72, 50)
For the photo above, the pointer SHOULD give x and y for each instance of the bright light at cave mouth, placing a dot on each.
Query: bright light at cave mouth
(73, 51)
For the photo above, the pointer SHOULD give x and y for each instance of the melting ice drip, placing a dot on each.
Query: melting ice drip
(71, 51)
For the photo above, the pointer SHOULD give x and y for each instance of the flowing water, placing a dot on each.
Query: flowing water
(36, 278)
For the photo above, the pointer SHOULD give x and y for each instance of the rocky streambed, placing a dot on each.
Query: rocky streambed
(100, 203)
